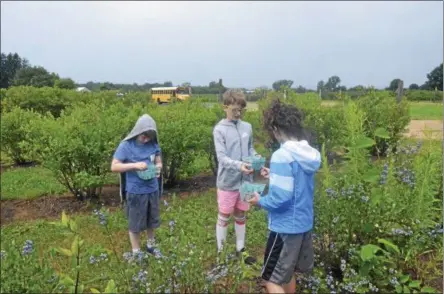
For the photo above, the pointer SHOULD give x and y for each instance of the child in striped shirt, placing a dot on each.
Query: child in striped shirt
(290, 199)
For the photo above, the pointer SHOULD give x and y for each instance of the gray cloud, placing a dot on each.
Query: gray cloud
(245, 43)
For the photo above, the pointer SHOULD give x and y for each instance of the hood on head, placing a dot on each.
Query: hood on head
(306, 156)
(143, 124)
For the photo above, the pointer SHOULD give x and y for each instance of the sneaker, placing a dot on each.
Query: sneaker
(155, 252)
(249, 260)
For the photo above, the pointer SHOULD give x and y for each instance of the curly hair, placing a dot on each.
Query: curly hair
(285, 118)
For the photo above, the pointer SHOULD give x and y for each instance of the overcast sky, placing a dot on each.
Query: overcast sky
(247, 44)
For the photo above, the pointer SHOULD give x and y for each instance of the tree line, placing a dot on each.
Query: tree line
(17, 71)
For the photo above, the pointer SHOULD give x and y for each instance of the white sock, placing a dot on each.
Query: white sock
(150, 243)
(221, 231)
(136, 250)
(240, 236)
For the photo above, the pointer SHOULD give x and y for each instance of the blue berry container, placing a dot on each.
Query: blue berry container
(256, 162)
(149, 173)
(247, 190)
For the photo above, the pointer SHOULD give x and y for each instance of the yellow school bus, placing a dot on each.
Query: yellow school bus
(168, 94)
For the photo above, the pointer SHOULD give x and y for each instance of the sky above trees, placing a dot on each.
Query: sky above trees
(248, 44)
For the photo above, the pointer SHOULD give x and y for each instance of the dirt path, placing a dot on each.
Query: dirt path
(50, 207)
(420, 129)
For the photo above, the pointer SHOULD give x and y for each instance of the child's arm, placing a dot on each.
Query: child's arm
(281, 184)
(118, 164)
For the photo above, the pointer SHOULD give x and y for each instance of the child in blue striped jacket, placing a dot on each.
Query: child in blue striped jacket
(290, 199)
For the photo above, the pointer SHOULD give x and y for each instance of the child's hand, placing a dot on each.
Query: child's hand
(246, 169)
(140, 166)
(255, 199)
(265, 172)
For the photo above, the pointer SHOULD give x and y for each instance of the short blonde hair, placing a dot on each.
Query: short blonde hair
(234, 97)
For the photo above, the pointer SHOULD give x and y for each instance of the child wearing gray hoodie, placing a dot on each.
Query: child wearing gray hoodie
(233, 139)
(139, 150)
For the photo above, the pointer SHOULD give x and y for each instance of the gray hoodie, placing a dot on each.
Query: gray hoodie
(233, 142)
(143, 124)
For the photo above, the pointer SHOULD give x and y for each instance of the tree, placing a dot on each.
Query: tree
(435, 78)
(10, 64)
(414, 87)
(320, 86)
(300, 89)
(333, 84)
(394, 85)
(282, 83)
(65, 84)
(36, 76)
(168, 84)
(186, 84)
(107, 87)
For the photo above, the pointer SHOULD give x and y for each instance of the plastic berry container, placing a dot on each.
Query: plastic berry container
(248, 189)
(149, 173)
(256, 162)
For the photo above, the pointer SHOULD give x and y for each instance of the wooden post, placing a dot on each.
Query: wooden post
(220, 90)
(400, 91)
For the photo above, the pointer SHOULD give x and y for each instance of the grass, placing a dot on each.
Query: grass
(426, 110)
(33, 182)
(194, 218)
(28, 183)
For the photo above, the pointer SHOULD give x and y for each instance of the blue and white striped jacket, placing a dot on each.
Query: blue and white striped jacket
(290, 199)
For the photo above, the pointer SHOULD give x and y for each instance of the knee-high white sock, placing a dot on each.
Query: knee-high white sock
(221, 231)
(240, 229)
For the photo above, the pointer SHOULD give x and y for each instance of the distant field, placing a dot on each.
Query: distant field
(426, 110)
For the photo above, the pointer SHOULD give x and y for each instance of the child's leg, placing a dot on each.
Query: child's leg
(226, 201)
(240, 229)
(280, 259)
(290, 287)
(153, 222)
(275, 288)
(135, 209)
(135, 241)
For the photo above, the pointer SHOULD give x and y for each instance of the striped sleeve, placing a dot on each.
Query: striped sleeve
(281, 191)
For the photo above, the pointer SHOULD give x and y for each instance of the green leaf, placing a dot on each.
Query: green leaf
(65, 218)
(404, 279)
(365, 268)
(398, 289)
(368, 252)
(94, 290)
(406, 289)
(428, 290)
(372, 176)
(364, 142)
(111, 287)
(415, 284)
(75, 245)
(382, 133)
(73, 226)
(64, 251)
(389, 245)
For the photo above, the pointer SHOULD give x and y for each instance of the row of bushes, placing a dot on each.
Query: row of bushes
(77, 142)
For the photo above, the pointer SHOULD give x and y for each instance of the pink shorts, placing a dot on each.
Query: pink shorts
(229, 200)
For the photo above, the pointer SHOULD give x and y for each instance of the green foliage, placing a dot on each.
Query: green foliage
(382, 111)
(78, 146)
(185, 132)
(10, 64)
(65, 84)
(435, 78)
(15, 125)
(35, 76)
(423, 95)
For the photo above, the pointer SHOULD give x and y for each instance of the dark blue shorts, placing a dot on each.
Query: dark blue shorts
(142, 211)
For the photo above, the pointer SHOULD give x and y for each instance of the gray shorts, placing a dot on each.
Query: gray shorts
(142, 211)
(286, 254)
